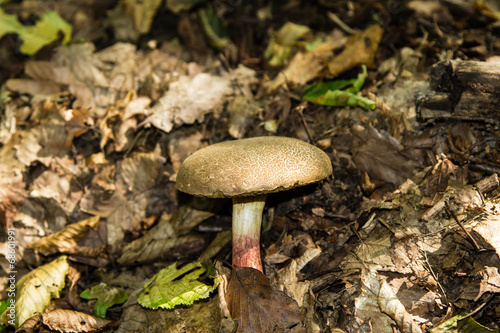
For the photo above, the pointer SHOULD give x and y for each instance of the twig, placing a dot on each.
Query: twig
(452, 214)
(435, 276)
(344, 27)
(300, 108)
(479, 308)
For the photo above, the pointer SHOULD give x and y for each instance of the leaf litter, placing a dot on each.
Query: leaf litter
(404, 235)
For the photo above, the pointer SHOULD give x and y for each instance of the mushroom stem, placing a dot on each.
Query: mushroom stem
(247, 219)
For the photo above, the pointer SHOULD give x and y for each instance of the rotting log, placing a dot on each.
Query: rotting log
(465, 90)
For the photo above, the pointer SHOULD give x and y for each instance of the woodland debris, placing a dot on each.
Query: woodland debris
(466, 90)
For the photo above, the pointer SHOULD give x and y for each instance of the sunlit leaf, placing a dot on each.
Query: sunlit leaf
(36, 289)
(166, 291)
(330, 93)
(44, 32)
(106, 297)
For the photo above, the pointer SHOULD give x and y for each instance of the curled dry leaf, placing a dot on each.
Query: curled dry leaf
(65, 241)
(392, 306)
(67, 321)
(257, 306)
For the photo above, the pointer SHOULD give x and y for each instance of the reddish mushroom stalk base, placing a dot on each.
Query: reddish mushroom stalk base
(247, 220)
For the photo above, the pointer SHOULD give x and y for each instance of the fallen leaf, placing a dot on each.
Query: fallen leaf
(106, 297)
(65, 241)
(380, 156)
(202, 316)
(360, 49)
(257, 306)
(490, 281)
(66, 321)
(304, 66)
(166, 235)
(34, 37)
(139, 171)
(188, 100)
(168, 289)
(392, 306)
(35, 290)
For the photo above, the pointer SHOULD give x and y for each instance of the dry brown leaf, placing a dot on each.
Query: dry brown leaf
(65, 240)
(222, 238)
(436, 180)
(58, 187)
(380, 156)
(305, 66)
(140, 170)
(189, 99)
(359, 50)
(11, 197)
(67, 321)
(490, 281)
(257, 306)
(122, 212)
(392, 306)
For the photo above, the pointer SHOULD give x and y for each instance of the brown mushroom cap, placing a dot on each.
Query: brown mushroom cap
(252, 166)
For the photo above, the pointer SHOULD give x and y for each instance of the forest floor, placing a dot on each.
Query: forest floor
(401, 95)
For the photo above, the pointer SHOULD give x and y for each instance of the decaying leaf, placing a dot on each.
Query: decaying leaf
(379, 155)
(106, 297)
(36, 289)
(257, 306)
(490, 281)
(188, 100)
(488, 230)
(65, 241)
(166, 291)
(140, 170)
(391, 305)
(217, 244)
(66, 321)
(166, 236)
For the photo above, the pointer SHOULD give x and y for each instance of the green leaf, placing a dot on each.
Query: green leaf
(44, 32)
(165, 291)
(461, 324)
(214, 28)
(106, 297)
(35, 290)
(330, 93)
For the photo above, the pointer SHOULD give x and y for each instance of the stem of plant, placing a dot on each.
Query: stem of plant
(247, 220)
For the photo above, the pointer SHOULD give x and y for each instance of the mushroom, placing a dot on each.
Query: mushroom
(247, 170)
